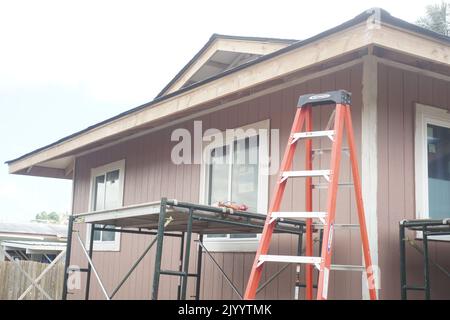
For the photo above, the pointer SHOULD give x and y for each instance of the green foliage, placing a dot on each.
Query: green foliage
(51, 217)
(437, 18)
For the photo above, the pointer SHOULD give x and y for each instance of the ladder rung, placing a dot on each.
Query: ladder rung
(417, 288)
(306, 173)
(326, 150)
(289, 259)
(305, 215)
(338, 225)
(313, 134)
(326, 185)
(343, 267)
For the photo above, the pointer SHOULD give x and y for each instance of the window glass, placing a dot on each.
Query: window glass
(106, 196)
(218, 175)
(438, 139)
(244, 179)
(236, 180)
(99, 193)
(108, 236)
(97, 235)
(112, 190)
(218, 178)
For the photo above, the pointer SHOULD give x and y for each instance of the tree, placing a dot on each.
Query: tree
(51, 217)
(437, 18)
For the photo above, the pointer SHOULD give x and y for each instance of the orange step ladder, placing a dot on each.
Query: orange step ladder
(303, 119)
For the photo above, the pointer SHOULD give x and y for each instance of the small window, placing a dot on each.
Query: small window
(432, 163)
(107, 193)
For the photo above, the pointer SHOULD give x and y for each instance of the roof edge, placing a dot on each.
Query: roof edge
(384, 16)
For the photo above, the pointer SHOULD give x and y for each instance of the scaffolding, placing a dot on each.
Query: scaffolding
(171, 218)
(425, 230)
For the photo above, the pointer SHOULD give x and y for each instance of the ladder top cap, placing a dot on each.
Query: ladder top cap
(330, 97)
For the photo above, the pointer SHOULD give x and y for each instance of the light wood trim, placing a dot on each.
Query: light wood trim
(369, 159)
(412, 44)
(406, 67)
(232, 45)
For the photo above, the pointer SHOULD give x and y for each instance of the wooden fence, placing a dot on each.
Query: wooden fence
(13, 282)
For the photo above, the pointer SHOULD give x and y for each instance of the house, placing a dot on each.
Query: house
(32, 241)
(399, 77)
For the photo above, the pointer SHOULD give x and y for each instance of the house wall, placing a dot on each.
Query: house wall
(150, 175)
(398, 91)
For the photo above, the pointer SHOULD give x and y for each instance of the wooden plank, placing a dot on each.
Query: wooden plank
(396, 160)
(383, 172)
(354, 244)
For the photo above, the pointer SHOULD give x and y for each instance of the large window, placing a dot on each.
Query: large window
(234, 172)
(438, 171)
(107, 193)
(432, 163)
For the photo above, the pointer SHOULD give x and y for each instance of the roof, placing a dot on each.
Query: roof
(211, 40)
(383, 15)
(31, 228)
(46, 246)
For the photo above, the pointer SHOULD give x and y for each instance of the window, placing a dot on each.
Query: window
(234, 171)
(107, 193)
(432, 163)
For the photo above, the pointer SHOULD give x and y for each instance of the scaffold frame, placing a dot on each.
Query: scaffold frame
(172, 219)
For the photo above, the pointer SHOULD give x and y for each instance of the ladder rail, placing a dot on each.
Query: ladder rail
(309, 277)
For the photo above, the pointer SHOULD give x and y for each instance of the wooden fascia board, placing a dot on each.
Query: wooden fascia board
(412, 44)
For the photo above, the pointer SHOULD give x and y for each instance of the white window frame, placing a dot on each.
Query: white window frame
(95, 172)
(425, 115)
(238, 244)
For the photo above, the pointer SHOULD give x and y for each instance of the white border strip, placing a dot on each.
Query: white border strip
(369, 160)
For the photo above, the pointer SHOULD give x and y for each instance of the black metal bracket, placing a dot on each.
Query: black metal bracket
(331, 97)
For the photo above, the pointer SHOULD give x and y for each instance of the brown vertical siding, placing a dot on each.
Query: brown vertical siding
(151, 175)
(398, 91)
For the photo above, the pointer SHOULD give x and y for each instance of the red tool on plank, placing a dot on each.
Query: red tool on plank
(233, 205)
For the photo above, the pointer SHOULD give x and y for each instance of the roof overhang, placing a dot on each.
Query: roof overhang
(34, 247)
(391, 34)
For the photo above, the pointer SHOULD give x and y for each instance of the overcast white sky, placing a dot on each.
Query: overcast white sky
(65, 65)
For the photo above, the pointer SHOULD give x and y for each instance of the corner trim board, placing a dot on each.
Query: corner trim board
(369, 159)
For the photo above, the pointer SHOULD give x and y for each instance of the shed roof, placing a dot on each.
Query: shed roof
(46, 246)
(33, 228)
